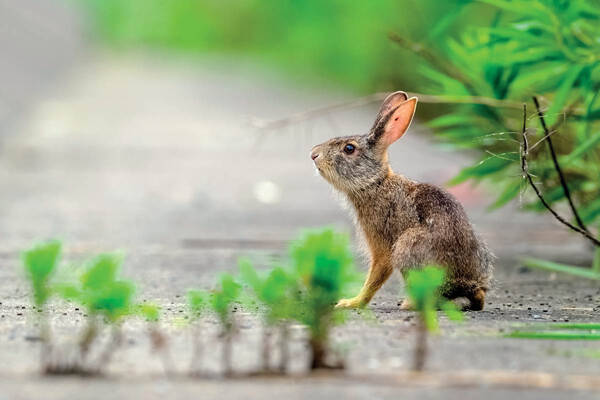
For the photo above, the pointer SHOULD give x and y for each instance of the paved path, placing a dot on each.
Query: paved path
(40, 41)
(156, 156)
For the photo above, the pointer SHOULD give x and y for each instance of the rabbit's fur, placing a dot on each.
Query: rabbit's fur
(406, 224)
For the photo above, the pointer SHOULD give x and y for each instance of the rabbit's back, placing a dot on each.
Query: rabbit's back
(450, 238)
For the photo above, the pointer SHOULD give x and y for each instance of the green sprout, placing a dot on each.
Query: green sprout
(158, 340)
(275, 292)
(324, 266)
(423, 287)
(40, 263)
(107, 299)
(221, 303)
(198, 304)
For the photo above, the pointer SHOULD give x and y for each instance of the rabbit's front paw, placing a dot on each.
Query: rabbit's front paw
(350, 303)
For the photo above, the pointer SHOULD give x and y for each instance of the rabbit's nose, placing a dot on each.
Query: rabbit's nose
(314, 155)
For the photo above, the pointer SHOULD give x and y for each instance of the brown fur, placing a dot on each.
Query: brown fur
(405, 224)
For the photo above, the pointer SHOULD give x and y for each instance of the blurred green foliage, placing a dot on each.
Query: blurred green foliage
(98, 287)
(324, 265)
(198, 303)
(325, 41)
(275, 291)
(423, 288)
(548, 48)
(100, 290)
(321, 272)
(222, 300)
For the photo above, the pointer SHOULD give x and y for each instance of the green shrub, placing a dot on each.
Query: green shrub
(548, 48)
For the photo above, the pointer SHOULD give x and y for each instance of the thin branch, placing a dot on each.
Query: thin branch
(374, 98)
(525, 169)
(563, 181)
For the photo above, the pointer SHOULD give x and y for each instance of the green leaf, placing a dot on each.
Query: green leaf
(40, 263)
(483, 169)
(582, 149)
(151, 312)
(564, 94)
(590, 211)
(198, 302)
(510, 192)
(553, 335)
(249, 275)
(68, 291)
(113, 300)
(452, 311)
(102, 271)
(562, 268)
(222, 298)
(448, 120)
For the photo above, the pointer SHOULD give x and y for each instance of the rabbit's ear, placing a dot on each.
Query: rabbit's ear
(392, 101)
(394, 119)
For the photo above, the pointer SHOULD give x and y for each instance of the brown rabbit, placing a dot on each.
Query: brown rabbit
(406, 224)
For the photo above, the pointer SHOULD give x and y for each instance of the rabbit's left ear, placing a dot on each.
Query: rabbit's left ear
(392, 125)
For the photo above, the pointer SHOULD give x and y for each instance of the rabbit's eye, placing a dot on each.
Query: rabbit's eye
(349, 148)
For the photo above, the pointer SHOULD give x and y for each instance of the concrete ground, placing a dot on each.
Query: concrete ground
(156, 155)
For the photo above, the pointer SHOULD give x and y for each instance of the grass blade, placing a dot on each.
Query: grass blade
(562, 268)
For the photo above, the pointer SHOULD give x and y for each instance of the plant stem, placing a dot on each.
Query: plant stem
(283, 346)
(45, 338)
(197, 351)
(87, 338)
(318, 351)
(160, 344)
(421, 346)
(111, 347)
(227, 339)
(266, 348)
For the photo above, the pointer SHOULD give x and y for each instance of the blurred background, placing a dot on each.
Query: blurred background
(146, 123)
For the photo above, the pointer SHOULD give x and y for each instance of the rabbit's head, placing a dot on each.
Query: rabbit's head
(352, 163)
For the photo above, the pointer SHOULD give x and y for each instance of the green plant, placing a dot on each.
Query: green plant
(276, 293)
(99, 289)
(158, 340)
(198, 304)
(324, 265)
(107, 299)
(40, 263)
(423, 288)
(221, 302)
(548, 48)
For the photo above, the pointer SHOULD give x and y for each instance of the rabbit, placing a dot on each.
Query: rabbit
(406, 224)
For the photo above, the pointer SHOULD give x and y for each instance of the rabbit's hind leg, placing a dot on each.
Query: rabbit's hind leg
(474, 295)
